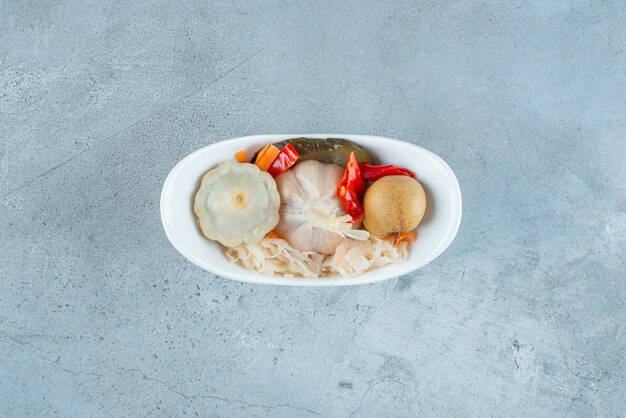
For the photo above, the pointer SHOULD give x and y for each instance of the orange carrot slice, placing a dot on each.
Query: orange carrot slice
(241, 156)
(398, 237)
(272, 234)
(266, 157)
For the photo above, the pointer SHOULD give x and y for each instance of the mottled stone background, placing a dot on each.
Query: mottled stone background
(523, 315)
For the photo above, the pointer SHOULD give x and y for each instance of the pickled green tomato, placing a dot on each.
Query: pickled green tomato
(327, 151)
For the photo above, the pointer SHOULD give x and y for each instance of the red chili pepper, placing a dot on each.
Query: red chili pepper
(285, 159)
(351, 189)
(374, 172)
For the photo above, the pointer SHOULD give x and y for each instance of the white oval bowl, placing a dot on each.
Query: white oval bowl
(434, 234)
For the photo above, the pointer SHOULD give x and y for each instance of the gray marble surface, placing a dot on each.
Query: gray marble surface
(524, 315)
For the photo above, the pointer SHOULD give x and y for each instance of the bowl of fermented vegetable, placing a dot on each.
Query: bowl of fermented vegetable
(311, 210)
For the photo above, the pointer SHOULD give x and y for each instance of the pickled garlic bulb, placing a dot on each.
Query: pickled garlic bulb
(312, 217)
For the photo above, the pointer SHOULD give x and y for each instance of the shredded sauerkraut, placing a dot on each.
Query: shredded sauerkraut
(352, 257)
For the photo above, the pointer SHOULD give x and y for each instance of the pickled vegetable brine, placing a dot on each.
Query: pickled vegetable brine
(310, 208)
